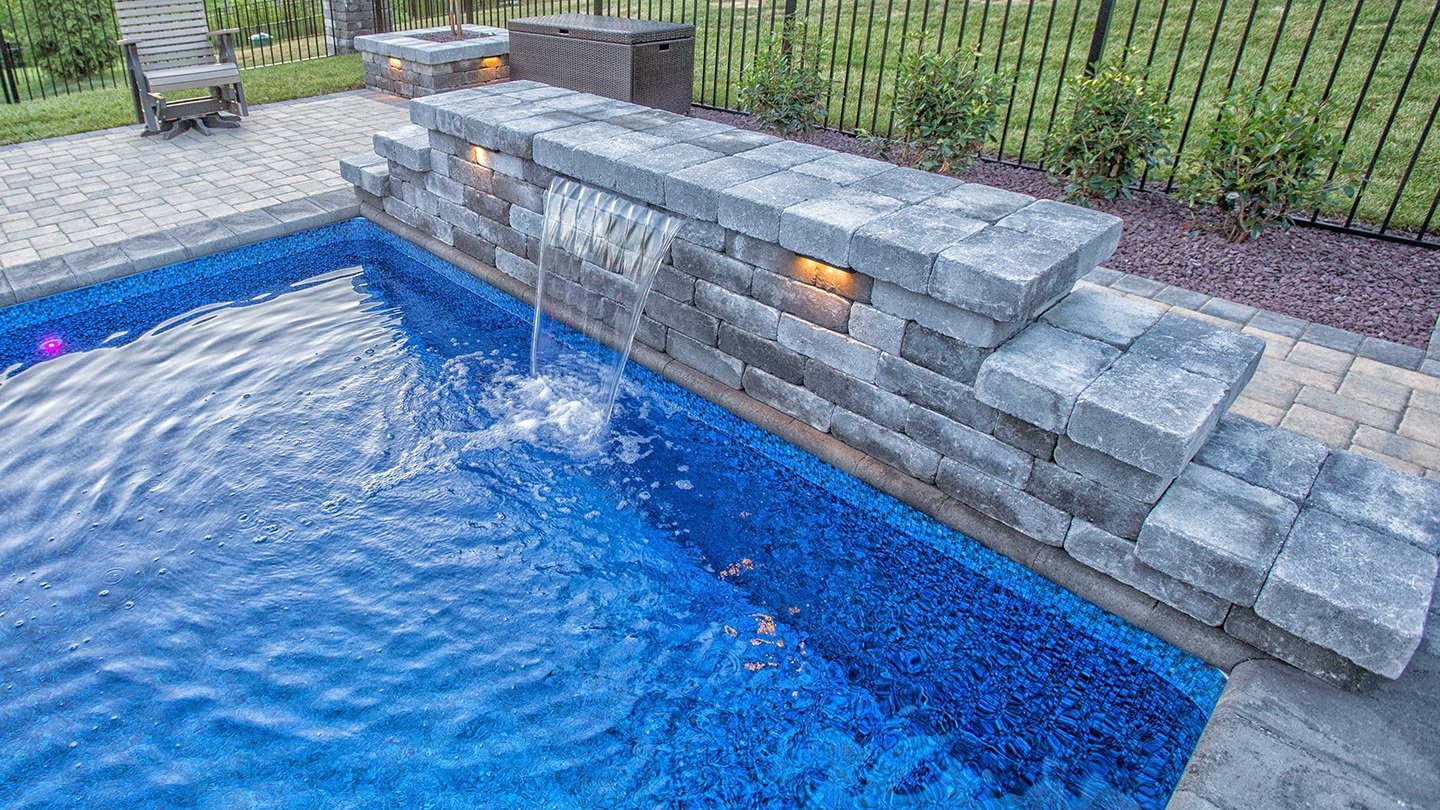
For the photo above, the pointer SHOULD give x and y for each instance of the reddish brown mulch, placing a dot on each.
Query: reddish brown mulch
(1364, 285)
(446, 36)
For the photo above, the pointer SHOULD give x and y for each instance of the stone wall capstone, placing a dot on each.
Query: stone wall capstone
(934, 325)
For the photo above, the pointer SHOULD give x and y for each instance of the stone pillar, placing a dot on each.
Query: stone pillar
(345, 20)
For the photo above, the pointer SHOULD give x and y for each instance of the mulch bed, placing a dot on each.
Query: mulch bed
(1363, 285)
(446, 36)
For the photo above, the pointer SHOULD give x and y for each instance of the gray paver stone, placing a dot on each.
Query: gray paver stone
(1274, 458)
(1217, 533)
(789, 399)
(1038, 374)
(1102, 316)
(1360, 593)
(1011, 506)
(742, 311)
(642, 174)
(692, 191)
(1083, 498)
(969, 446)
(935, 391)
(408, 146)
(1005, 274)
(941, 353)
(982, 202)
(963, 325)
(901, 247)
(754, 208)
(863, 398)
(879, 329)
(907, 184)
(895, 449)
(843, 168)
(1202, 348)
(1148, 414)
(785, 154)
(1115, 556)
(1092, 234)
(1368, 493)
(707, 360)
(822, 228)
(831, 348)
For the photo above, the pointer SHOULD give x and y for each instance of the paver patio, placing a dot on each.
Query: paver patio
(67, 194)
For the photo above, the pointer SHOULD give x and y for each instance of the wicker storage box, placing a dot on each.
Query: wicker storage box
(644, 61)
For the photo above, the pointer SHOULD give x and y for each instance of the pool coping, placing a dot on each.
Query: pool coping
(1297, 731)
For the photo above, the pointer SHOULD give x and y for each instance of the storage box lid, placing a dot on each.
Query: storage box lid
(603, 29)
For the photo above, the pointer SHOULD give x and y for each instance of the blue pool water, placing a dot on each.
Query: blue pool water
(273, 533)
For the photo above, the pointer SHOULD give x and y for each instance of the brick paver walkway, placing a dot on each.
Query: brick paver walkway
(66, 194)
(96, 188)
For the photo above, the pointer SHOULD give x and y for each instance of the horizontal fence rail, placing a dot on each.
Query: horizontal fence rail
(1376, 63)
(52, 48)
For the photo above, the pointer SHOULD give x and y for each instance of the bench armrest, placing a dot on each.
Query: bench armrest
(224, 31)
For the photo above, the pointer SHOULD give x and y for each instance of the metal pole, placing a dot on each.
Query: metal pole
(1097, 39)
(785, 27)
(599, 8)
(7, 72)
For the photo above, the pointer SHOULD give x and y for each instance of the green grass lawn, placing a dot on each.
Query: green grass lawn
(110, 107)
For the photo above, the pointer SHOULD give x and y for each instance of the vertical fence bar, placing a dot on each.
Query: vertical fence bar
(1410, 167)
(1195, 98)
(1098, 36)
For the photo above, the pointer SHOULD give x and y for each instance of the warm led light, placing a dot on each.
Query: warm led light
(396, 64)
(490, 62)
(480, 155)
(827, 277)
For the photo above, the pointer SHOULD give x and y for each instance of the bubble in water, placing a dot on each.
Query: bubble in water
(684, 483)
(105, 592)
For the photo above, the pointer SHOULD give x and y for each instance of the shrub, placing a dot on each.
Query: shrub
(1268, 154)
(783, 89)
(1115, 129)
(75, 38)
(945, 110)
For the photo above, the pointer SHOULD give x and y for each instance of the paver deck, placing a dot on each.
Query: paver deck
(65, 194)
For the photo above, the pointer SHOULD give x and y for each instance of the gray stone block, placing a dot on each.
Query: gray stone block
(937, 392)
(642, 174)
(1092, 234)
(1329, 666)
(1115, 556)
(1274, 458)
(1013, 507)
(711, 266)
(785, 154)
(734, 141)
(705, 234)
(153, 250)
(941, 353)
(802, 300)
(596, 160)
(1109, 472)
(901, 247)
(1083, 498)
(694, 190)
(843, 168)
(754, 207)
(671, 283)
(899, 451)
(1148, 414)
(1202, 348)
(789, 399)
(764, 354)
(1358, 592)
(704, 358)
(408, 146)
(831, 348)
(370, 172)
(688, 128)
(969, 446)
(741, 311)
(1038, 442)
(822, 228)
(881, 330)
(683, 318)
(1216, 533)
(1370, 494)
(516, 267)
(863, 398)
(977, 201)
(1005, 274)
(1102, 316)
(760, 253)
(963, 325)
(907, 185)
(516, 136)
(1040, 373)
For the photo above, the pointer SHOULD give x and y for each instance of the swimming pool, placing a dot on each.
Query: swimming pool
(272, 534)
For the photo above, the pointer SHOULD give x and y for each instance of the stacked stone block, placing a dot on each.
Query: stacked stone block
(402, 64)
(345, 20)
(932, 325)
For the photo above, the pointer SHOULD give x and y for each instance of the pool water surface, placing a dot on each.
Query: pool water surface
(273, 533)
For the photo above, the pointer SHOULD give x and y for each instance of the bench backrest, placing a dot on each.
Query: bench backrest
(169, 33)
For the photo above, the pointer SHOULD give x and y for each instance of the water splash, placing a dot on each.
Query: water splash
(599, 254)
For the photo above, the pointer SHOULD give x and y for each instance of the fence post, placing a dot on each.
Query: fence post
(599, 8)
(7, 72)
(1097, 39)
(345, 20)
(786, 27)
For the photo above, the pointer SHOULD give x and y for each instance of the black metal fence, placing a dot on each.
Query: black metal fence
(1375, 62)
(53, 48)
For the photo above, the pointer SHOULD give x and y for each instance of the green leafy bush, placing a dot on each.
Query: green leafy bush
(783, 89)
(75, 38)
(1268, 154)
(1116, 128)
(946, 109)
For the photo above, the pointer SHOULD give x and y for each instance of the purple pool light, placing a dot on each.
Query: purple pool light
(52, 346)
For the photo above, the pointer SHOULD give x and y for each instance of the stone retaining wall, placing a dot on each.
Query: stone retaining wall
(404, 65)
(931, 324)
